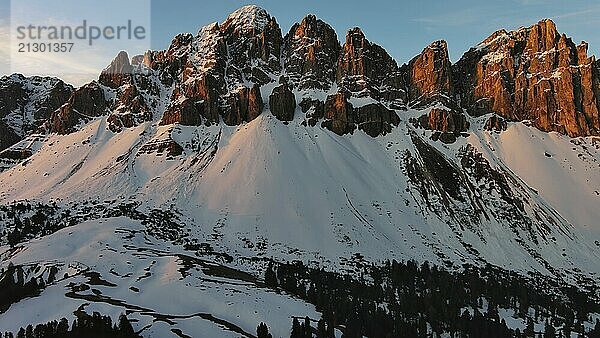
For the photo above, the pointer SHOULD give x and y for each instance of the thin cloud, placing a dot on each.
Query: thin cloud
(4, 47)
(458, 18)
(575, 14)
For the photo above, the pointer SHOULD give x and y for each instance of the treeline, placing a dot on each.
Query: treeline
(404, 299)
(85, 325)
(22, 221)
(14, 286)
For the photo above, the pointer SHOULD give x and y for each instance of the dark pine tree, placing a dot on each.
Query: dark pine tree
(297, 331)
(549, 331)
(124, 326)
(262, 331)
(270, 277)
(307, 328)
(595, 332)
(528, 331)
(321, 329)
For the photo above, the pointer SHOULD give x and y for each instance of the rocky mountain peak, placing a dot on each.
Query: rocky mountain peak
(311, 51)
(535, 74)
(250, 18)
(356, 38)
(117, 72)
(220, 74)
(429, 75)
(366, 69)
(26, 103)
(542, 36)
(254, 40)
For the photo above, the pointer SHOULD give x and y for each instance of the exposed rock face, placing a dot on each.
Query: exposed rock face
(118, 72)
(428, 76)
(311, 51)
(133, 89)
(244, 105)
(339, 116)
(495, 123)
(87, 101)
(342, 118)
(282, 103)
(161, 147)
(188, 112)
(531, 74)
(314, 110)
(366, 69)
(131, 109)
(211, 70)
(254, 42)
(446, 121)
(7, 136)
(26, 103)
(375, 119)
(12, 94)
(197, 66)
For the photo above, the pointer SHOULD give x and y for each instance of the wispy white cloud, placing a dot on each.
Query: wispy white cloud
(84, 62)
(576, 14)
(531, 2)
(4, 47)
(461, 17)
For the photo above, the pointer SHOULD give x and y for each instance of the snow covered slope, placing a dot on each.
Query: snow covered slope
(179, 174)
(111, 266)
(266, 188)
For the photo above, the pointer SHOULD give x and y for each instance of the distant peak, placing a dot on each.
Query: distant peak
(120, 64)
(310, 22)
(355, 31)
(248, 17)
(310, 17)
(438, 44)
(547, 21)
(546, 24)
(248, 10)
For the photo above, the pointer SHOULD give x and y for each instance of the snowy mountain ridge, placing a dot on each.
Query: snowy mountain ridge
(196, 165)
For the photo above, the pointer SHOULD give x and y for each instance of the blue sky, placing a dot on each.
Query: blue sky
(403, 28)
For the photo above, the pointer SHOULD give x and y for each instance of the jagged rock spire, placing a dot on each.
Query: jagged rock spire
(535, 74)
(311, 51)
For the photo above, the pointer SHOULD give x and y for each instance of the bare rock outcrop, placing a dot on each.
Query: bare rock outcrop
(495, 123)
(314, 110)
(444, 120)
(243, 105)
(366, 69)
(534, 74)
(86, 102)
(118, 71)
(339, 115)
(342, 118)
(311, 51)
(26, 104)
(428, 76)
(282, 103)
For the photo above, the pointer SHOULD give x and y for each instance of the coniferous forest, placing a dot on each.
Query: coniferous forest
(404, 299)
(85, 325)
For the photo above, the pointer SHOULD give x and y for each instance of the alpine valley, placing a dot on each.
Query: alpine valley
(246, 175)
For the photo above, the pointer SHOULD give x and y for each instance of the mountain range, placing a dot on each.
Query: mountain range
(166, 188)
